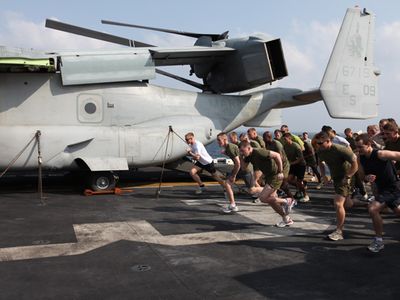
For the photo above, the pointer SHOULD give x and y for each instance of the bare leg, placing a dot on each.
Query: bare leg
(285, 188)
(374, 210)
(226, 185)
(193, 172)
(340, 211)
(229, 191)
(268, 195)
(300, 186)
(257, 176)
(316, 173)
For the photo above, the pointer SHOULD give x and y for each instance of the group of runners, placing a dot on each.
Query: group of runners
(271, 163)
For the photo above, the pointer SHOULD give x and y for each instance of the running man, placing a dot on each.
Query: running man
(295, 138)
(276, 146)
(203, 162)
(392, 139)
(233, 138)
(342, 163)
(297, 166)
(376, 166)
(246, 174)
(232, 151)
(270, 164)
(252, 133)
(249, 167)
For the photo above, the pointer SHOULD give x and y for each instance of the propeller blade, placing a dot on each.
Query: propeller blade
(94, 34)
(214, 37)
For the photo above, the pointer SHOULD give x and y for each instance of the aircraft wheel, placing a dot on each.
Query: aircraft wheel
(102, 181)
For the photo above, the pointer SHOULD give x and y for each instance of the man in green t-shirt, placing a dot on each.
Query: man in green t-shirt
(392, 140)
(297, 166)
(252, 133)
(295, 138)
(342, 163)
(245, 174)
(249, 167)
(275, 145)
(232, 151)
(270, 164)
(234, 138)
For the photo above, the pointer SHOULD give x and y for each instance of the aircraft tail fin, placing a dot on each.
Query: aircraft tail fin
(349, 87)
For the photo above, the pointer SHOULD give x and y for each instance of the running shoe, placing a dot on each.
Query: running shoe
(319, 186)
(284, 223)
(336, 235)
(287, 207)
(200, 190)
(304, 199)
(257, 200)
(376, 246)
(230, 209)
(371, 198)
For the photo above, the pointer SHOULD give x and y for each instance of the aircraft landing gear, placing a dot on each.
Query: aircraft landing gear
(102, 181)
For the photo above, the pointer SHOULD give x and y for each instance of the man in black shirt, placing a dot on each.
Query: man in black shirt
(376, 166)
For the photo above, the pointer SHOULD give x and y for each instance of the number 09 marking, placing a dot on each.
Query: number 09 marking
(369, 90)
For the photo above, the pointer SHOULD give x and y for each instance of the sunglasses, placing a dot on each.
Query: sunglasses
(320, 143)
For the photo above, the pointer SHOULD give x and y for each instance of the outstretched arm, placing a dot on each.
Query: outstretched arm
(389, 155)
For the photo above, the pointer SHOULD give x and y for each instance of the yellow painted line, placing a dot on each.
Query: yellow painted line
(173, 184)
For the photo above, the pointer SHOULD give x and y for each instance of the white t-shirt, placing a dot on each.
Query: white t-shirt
(198, 148)
(340, 140)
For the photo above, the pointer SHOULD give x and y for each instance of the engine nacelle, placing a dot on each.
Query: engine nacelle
(255, 62)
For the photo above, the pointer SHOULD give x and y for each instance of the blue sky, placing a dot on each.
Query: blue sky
(307, 29)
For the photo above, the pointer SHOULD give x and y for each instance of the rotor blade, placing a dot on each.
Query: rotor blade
(94, 34)
(214, 37)
(184, 80)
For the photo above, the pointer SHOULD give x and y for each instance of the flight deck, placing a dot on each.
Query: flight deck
(178, 245)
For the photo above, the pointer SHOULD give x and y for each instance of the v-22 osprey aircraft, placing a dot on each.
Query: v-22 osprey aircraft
(97, 111)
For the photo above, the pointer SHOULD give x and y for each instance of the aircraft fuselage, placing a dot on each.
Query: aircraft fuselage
(112, 126)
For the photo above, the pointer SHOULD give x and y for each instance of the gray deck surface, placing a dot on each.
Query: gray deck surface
(133, 246)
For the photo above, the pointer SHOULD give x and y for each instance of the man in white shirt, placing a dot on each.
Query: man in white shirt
(203, 161)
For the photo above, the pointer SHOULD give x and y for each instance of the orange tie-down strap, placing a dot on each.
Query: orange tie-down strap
(116, 191)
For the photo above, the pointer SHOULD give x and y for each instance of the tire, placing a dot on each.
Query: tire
(102, 181)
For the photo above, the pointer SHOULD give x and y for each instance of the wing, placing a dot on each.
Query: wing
(189, 56)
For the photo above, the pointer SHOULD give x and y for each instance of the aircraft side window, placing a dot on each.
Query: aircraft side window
(90, 108)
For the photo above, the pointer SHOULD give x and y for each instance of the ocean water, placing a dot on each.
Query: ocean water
(214, 150)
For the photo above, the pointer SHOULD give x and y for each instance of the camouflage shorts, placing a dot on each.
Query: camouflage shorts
(274, 182)
(343, 188)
